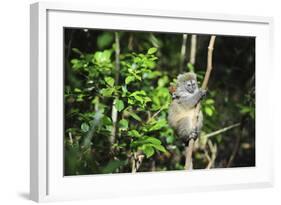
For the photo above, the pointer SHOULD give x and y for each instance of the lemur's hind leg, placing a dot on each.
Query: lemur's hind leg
(186, 131)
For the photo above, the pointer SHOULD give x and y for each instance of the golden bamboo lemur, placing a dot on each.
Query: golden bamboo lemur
(182, 109)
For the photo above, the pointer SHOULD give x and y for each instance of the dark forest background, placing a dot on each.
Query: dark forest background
(126, 76)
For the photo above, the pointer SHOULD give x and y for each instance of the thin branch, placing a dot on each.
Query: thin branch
(235, 150)
(155, 114)
(183, 51)
(209, 62)
(114, 113)
(221, 130)
(189, 148)
(213, 150)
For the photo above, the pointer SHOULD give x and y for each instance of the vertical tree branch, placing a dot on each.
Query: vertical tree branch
(189, 148)
(192, 56)
(137, 159)
(183, 51)
(114, 113)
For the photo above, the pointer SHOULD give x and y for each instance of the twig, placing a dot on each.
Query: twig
(183, 51)
(235, 150)
(213, 150)
(114, 113)
(155, 114)
(189, 148)
(221, 130)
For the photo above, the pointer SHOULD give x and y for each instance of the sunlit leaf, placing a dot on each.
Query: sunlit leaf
(159, 147)
(129, 79)
(153, 140)
(151, 50)
(107, 92)
(148, 150)
(134, 133)
(119, 105)
(135, 116)
(123, 124)
(209, 111)
(109, 81)
(158, 125)
(209, 101)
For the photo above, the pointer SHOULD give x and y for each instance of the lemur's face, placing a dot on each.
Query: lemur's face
(191, 86)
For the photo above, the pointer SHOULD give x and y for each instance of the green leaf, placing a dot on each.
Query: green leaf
(107, 92)
(163, 81)
(134, 133)
(148, 150)
(159, 147)
(151, 50)
(104, 40)
(139, 92)
(190, 67)
(209, 111)
(77, 90)
(85, 127)
(129, 79)
(123, 124)
(124, 91)
(158, 125)
(245, 110)
(135, 116)
(153, 140)
(106, 120)
(76, 64)
(102, 57)
(76, 50)
(209, 101)
(170, 139)
(109, 80)
(119, 105)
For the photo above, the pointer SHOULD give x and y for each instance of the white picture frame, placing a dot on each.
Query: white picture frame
(47, 182)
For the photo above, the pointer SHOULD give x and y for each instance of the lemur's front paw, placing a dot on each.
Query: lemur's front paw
(203, 93)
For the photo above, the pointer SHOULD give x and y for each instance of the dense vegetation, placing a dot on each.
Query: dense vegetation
(116, 98)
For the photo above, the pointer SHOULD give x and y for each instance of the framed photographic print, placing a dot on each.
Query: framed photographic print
(128, 102)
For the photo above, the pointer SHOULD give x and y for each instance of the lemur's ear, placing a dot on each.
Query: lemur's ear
(172, 89)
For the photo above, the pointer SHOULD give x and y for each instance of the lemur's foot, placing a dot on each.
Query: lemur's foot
(193, 135)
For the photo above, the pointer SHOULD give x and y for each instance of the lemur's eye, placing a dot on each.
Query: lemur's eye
(189, 84)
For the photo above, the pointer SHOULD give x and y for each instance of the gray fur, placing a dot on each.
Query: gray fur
(180, 114)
